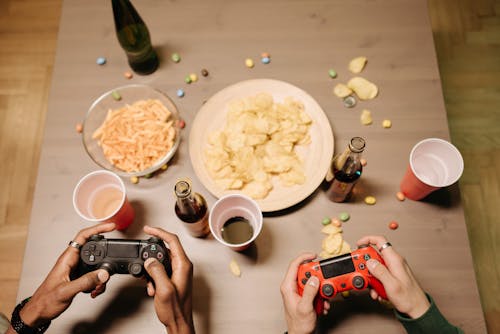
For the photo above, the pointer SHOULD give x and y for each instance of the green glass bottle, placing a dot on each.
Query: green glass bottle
(134, 38)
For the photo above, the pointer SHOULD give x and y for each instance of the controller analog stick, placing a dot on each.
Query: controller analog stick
(358, 282)
(135, 269)
(327, 290)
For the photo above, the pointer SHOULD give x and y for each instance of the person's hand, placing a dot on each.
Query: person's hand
(401, 287)
(299, 310)
(57, 291)
(172, 296)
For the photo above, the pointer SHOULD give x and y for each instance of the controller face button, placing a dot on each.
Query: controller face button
(153, 248)
(304, 281)
(361, 266)
(91, 258)
(159, 255)
(97, 253)
(327, 290)
(145, 255)
(358, 282)
(308, 274)
(86, 252)
(367, 257)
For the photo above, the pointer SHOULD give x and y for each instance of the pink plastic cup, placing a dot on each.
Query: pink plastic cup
(434, 164)
(230, 206)
(101, 196)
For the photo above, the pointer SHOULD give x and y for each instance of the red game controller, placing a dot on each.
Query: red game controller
(341, 273)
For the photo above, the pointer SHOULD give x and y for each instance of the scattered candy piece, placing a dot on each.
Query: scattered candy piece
(336, 222)
(181, 123)
(176, 57)
(128, 75)
(249, 63)
(363, 162)
(331, 229)
(332, 73)
(134, 179)
(346, 294)
(265, 60)
(116, 95)
(235, 268)
(265, 55)
(344, 216)
(204, 72)
(79, 127)
(393, 225)
(366, 117)
(180, 92)
(148, 176)
(326, 221)
(164, 167)
(386, 123)
(193, 77)
(187, 79)
(370, 200)
(100, 61)
(400, 196)
(349, 101)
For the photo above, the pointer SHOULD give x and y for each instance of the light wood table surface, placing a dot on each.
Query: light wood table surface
(305, 39)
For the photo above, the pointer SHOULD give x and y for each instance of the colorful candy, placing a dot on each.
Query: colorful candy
(400, 196)
(386, 123)
(344, 216)
(249, 63)
(193, 77)
(100, 61)
(363, 162)
(393, 225)
(332, 73)
(180, 92)
(79, 127)
(128, 75)
(370, 200)
(134, 179)
(326, 221)
(204, 72)
(116, 95)
(175, 57)
(265, 60)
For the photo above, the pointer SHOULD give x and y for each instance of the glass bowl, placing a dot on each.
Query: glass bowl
(128, 95)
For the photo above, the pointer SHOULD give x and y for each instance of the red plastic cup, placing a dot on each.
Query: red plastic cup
(101, 196)
(434, 164)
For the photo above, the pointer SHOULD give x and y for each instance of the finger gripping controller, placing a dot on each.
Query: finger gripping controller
(121, 256)
(341, 273)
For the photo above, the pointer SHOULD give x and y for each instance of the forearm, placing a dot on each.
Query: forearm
(432, 321)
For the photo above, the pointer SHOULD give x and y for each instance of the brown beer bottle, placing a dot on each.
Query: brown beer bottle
(345, 171)
(191, 208)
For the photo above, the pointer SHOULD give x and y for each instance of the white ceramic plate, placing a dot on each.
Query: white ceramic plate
(316, 156)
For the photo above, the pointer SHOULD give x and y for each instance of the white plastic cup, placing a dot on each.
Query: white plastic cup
(434, 163)
(101, 196)
(235, 205)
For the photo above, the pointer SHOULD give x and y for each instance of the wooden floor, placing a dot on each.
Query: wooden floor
(467, 38)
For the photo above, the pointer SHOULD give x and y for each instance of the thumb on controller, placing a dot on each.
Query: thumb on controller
(381, 273)
(93, 281)
(310, 291)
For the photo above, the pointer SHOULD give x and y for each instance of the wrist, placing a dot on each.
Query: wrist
(419, 307)
(26, 319)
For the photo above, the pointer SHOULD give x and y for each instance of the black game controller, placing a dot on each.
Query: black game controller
(121, 256)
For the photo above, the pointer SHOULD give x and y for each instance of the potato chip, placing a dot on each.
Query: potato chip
(331, 229)
(363, 88)
(257, 143)
(341, 90)
(357, 64)
(366, 117)
(332, 243)
(235, 268)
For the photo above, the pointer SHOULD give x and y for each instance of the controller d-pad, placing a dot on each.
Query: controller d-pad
(327, 290)
(358, 282)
